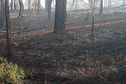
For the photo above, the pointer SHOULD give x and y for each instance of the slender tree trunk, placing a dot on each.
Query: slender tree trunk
(49, 8)
(21, 8)
(59, 16)
(65, 9)
(93, 21)
(123, 3)
(7, 16)
(3, 13)
(15, 7)
(48, 4)
(101, 7)
(35, 5)
(0, 15)
(39, 4)
(12, 5)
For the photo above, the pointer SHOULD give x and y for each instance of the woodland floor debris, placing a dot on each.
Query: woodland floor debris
(72, 56)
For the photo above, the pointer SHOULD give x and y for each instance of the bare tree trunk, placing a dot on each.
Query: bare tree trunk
(35, 5)
(7, 27)
(48, 4)
(65, 9)
(92, 27)
(101, 7)
(59, 16)
(38, 8)
(15, 8)
(21, 8)
(11, 4)
(49, 8)
(2, 13)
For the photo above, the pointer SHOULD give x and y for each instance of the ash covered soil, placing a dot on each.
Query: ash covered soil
(72, 55)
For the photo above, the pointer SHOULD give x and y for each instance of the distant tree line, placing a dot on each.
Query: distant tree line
(36, 5)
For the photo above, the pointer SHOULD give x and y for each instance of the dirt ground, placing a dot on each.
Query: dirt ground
(72, 55)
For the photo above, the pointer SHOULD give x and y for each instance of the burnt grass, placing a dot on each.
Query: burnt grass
(72, 57)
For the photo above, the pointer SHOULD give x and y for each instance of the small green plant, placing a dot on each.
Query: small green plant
(10, 73)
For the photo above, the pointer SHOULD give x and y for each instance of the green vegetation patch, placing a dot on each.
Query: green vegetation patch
(10, 73)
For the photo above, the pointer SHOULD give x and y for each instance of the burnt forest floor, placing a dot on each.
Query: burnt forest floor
(71, 56)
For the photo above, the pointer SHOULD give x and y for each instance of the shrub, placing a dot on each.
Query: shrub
(10, 73)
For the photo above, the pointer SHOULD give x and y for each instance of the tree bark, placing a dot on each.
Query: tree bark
(11, 4)
(65, 10)
(21, 8)
(3, 13)
(7, 16)
(39, 4)
(101, 7)
(93, 22)
(60, 16)
(15, 8)
(48, 4)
